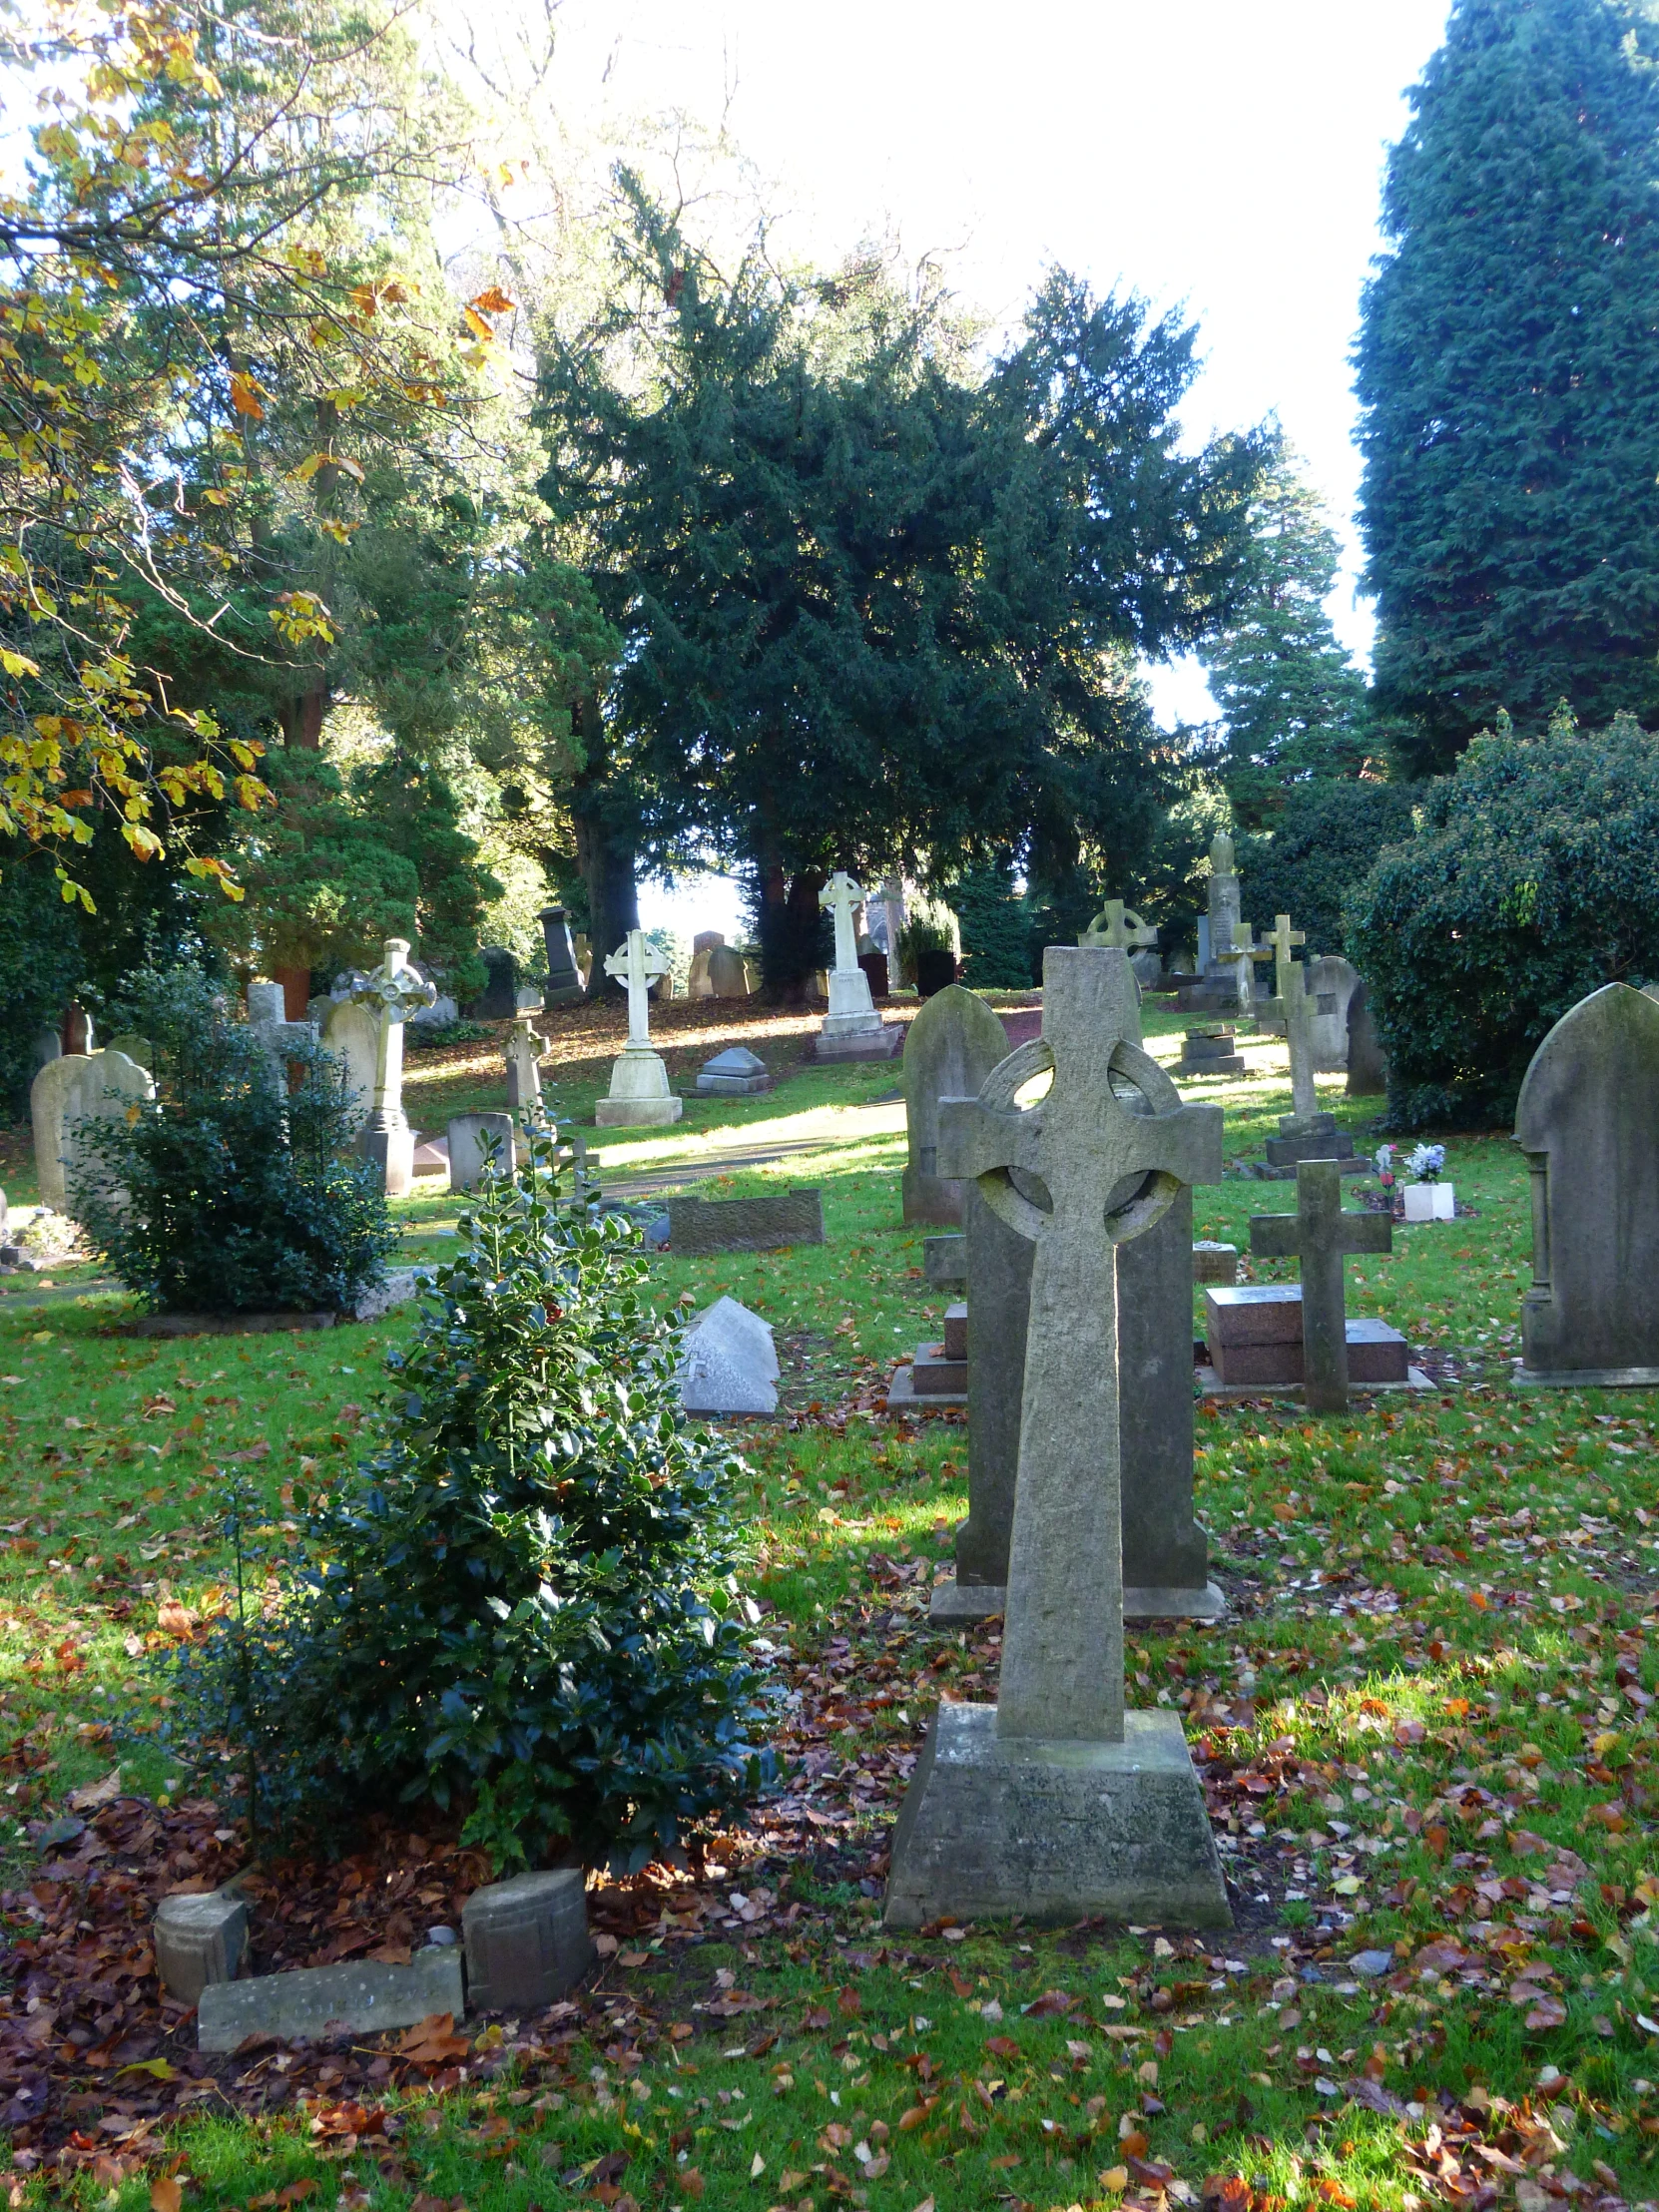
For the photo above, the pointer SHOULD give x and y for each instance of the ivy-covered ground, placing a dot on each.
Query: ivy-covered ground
(1425, 1729)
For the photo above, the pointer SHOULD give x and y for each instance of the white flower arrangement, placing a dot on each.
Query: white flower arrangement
(1425, 1161)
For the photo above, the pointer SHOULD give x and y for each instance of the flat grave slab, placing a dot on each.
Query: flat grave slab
(313, 2002)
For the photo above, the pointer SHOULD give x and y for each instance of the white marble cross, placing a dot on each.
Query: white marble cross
(266, 1017)
(1112, 1143)
(392, 993)
(636, 967)
(844, 894)
(1118, 928)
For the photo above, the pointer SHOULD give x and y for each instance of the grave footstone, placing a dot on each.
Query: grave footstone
(314, 2002)
(526, 1941)
(477, 1141)
(1367, 1064)
(734, 1073)
(1320, 1236)
(699, 1227)
(1585, 1122)
(950, 1049)
(199, 1940)
(729, 1363)
(564, 980)
(639, 1096)
(1056, 1803)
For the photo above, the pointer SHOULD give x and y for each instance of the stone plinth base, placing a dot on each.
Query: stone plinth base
(930, 1201)
(991, 1827)
(1588, 1379)
(392, 1152)
(884, 1043)
(1319, 1140)
(732, 1086)
(904, 1397)
(637, 1113)
(984, 1601)
(1210, 1384)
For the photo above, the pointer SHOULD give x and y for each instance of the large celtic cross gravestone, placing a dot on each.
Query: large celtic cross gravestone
(391, 995)
(1056, 1802)
(1116, 928)
(639, 1096)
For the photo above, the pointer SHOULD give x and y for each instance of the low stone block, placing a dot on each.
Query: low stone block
(697, 1226)
(993, 1825)
(526, 1941)
(944, 1261)
(863, 1044)
(729, 1364)
(1215, 1263)
(738, 1073)
(474, 1141)
(1375, 1353)
(934, 1373)
(904, 1396)
(984, 1601)
(1290, 1146)
(1253, 1313)
(314, 2002)
(955, 1331)
(199, 1940)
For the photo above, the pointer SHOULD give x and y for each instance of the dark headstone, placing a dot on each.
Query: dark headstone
(499, 1000)
(1368, 1066)
(874, 966)
(935, 971)
(564, 983)
(1585, 1121)
(698, 1226)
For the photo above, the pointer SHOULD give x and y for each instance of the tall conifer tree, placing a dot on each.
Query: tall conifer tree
(1508, 369)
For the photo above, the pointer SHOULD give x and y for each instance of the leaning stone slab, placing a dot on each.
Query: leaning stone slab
(526, 1941)
(199, 1940)
(314, 2002)
(729, 1364)
(699, 1226)
(996, 1825)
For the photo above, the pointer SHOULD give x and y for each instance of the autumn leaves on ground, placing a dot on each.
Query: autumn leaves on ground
(1424, 1730)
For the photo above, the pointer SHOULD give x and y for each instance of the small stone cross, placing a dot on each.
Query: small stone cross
(392, 992)
(1284, 938)
(636, 967)
(844, 894)
(1112, 1143)
(1241, 956)
(267, 1020)
(1320, 1235)
(1118, 928)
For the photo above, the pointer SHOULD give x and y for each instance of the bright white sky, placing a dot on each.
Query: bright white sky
(1220, 155)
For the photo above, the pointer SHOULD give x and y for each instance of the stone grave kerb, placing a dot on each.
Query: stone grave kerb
(1321, 1235)
(1110, 1169)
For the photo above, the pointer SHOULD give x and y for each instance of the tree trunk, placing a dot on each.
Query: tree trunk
(605, 851)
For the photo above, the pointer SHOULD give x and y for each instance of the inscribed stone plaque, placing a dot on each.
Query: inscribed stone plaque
(952, 1045)
(697, 1226)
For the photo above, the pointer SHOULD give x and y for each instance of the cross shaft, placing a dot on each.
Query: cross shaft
(1321, 1235)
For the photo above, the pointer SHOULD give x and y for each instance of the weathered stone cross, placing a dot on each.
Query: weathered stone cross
(1283, 940)
(1241, 954)
(636, 967)
(1320, 1235)
(842, 894)
(267, 1020)
(1117, 927)
(392, 993)
(1295, 1006)
(1112, 1143)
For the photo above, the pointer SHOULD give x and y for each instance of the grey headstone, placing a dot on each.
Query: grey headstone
(564, 980)
(727, 976)
(475, 1139)
(735, 1073)
(729, 1364)
(1367, 1064)
(313, 2002)
(48, 1045)
(1215, 1263)
(526, 1941)
(1332, 983)
(442, 1011)
(49, 1103)
(354, 1035)
(952, 1045)
(107, 1084)
(199, 1940)
(699, 1227)
(944, 1260)
(138, 1049)
(1585, 1121)
(1320, 1234)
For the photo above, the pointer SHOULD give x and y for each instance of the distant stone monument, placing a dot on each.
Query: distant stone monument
(704, 947)
(852, 1029)
(352, 1035)
(1586, 1121)
(1118, 929)
(639, 1096)
(728, 973)
(564, 981)
(1332, 983)
(949, 1049)
(390, 995)
(1304, 1133)
(74, 1088)
(524, 1050)
(1056, 1803)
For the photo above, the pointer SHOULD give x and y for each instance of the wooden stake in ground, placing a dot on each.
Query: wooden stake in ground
(1321, 1235)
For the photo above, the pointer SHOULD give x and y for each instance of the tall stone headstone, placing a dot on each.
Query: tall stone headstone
(352, 1035)
(1587, 1125)
(1367, 1064)
(949, 1049)
(49, 1106)
(638, 1094)
(269, 1023)
(1056, 1802)
(524, 1050)
(1225, 911)
(1304, 1133)
(704, 947)
(1332, 983)
(106, 1084)
(728, 973)
(564, 983)
(390, 995)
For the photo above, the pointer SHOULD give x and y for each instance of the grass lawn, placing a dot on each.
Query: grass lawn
(1424, 1730)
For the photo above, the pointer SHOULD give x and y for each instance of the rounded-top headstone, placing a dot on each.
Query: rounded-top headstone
(952, 1047)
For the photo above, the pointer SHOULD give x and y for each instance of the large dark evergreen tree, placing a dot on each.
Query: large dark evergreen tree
(1508, 368)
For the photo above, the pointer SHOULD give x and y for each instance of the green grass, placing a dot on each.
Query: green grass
(1428, 1599)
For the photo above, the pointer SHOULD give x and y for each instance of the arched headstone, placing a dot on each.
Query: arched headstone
(728, 973)
(353, 1033)
(952, 1047)
(49, 1097)
(1586, 1124)
(1332, 983)
(105, 1085)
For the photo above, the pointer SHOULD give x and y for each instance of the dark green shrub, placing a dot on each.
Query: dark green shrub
(521, 1606)
(226, 1194)
(1322, 846)
(1529, 886)
(999, 952)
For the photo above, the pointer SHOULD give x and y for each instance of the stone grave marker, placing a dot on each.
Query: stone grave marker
(477, 1140)
(1056, 1803)
(276, 1032)
(1585, 1122)
(729, 1363)
(734, 1073)
(728, 973)
(1320, 1234)
(361, 1999)
(1304, 1133)
(390, 995)
(704, 946)
(1210, 1048)
(639, 1096)
(526, 1941)
(499, 1000)
(49, 1097)
(949, 1049)
(1332, 983)
(1367, 1064)
(564, 980)
(352, 1035)
(1118, 929)
(698, 1227)
(524, 1051)
(852, 1029)
(100, 1086)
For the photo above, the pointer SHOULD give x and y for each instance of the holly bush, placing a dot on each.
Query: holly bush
(522, 1606)
(1528, 885)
